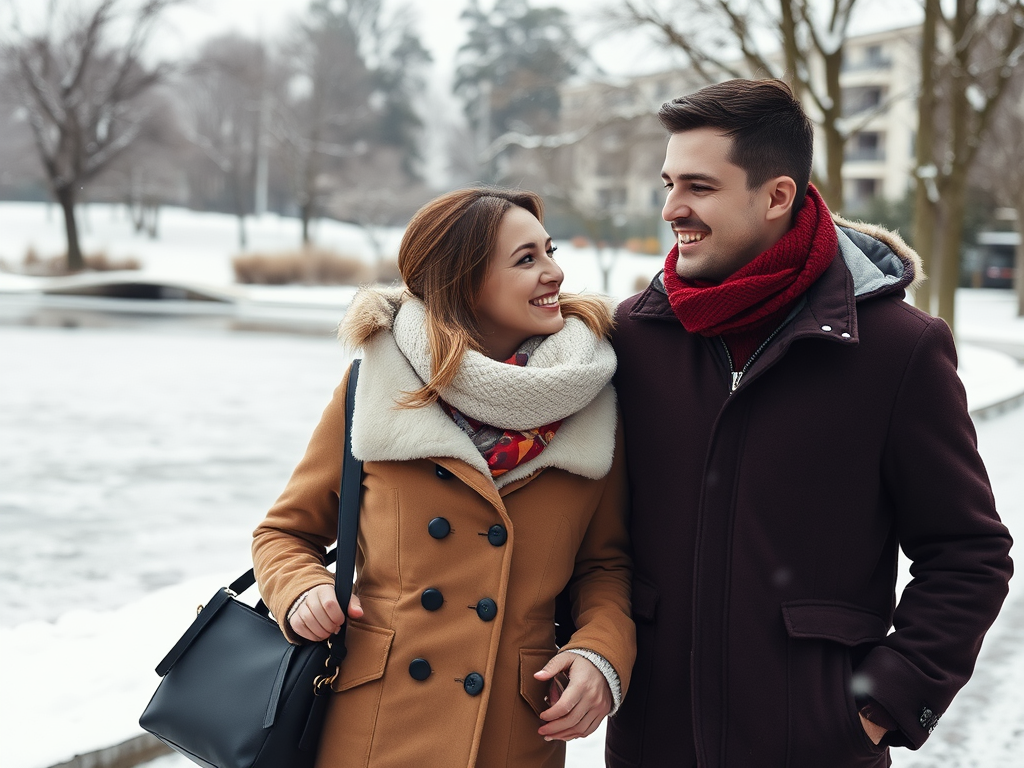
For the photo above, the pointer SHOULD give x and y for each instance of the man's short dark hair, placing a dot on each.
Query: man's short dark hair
(771, 134)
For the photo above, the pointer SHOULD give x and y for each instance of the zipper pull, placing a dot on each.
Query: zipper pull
(736, 376)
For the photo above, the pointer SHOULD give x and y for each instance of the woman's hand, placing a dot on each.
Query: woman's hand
(579, 709)
(319, 616)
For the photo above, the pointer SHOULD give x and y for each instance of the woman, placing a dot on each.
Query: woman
(486, 422)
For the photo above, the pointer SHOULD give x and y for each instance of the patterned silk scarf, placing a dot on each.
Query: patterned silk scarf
(506, 449)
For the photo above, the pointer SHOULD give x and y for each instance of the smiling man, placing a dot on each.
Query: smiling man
(790, 424)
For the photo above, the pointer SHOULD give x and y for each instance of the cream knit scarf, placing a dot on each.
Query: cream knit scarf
(564, 374)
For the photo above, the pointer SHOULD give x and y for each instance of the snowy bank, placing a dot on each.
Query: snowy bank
(79, 684)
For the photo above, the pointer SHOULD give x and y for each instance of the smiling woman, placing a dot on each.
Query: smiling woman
(493, 476)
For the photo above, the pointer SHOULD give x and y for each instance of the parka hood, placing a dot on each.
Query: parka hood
(879, 260)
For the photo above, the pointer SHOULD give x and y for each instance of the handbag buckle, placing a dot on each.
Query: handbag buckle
(323, 683)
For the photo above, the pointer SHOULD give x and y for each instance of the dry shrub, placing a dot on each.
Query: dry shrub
(579, 241)
(640, 283)
(310, 266)
(387, 272)
(57, 266)
(648, 245)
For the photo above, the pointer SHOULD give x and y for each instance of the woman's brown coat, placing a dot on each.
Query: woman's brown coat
(544, 529)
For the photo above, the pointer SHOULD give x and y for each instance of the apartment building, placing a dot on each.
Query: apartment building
(616, 167)
(879, 80)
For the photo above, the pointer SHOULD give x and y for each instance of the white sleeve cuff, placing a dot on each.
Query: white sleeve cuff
(607, 670)
(298, 602)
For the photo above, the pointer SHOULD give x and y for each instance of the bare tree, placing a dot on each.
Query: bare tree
(82, 91)
(799, 41)
(223, 92)
(615, 136)
(970, 75)
(1000, 166)
(327, 116)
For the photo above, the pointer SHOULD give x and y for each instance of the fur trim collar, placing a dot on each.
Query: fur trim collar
(382, 431)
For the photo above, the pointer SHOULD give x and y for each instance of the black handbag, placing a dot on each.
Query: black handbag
(235, 693)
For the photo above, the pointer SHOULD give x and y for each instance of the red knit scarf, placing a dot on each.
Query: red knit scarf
(747, 306)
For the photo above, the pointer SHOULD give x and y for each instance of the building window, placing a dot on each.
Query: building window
(871, 57)
(864, 190)
(857, 100)
(866, 146)
(611, 199)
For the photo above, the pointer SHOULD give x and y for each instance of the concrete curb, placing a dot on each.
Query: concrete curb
(995, 409)
(127, 754)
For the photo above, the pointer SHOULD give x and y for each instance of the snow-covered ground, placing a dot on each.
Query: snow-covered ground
(135, 460)
(197, 247)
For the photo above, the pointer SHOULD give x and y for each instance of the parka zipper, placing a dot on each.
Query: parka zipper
(737, 376)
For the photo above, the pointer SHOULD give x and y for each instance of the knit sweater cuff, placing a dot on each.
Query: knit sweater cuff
(298, 603)
(606, 669)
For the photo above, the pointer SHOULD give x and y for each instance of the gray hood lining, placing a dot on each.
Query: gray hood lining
(872, 264)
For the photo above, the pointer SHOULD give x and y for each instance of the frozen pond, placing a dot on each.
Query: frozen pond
(132, 459)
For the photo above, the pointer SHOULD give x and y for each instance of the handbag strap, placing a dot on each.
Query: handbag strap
(348, 530)
(348, 512)
(348, 501)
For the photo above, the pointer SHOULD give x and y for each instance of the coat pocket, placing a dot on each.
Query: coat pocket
(368, 649)
(842, 623)
(530, 688)
(824, 728)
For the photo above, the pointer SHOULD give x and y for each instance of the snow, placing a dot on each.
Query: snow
(196, 247)
(976, 97)
(136, 458)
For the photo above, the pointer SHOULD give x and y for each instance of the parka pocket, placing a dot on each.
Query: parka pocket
(824, 727)
(530, 688)
(368, 649)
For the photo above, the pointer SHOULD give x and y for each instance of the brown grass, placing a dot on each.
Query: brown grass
(640, 283)
(648, 245)
(387, 272)
(57, 266)
(309, 266)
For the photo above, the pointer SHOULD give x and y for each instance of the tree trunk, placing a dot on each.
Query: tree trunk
(243, 239)
(791, 48)
(1018, 275)
(926, 192)
(954, 201)
(306, 212)
(66, 198)
(953, 186)
(835, 142)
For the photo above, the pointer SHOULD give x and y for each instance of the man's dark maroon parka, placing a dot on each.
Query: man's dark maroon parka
(766, 523)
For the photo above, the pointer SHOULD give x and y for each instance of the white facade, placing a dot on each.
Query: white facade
(880, 83)
(617, 167)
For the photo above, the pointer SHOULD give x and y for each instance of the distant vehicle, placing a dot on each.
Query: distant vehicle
(998, 254)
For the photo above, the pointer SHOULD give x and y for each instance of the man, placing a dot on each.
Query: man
(791, 423)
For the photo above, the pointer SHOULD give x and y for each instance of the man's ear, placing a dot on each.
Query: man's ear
(781, 195)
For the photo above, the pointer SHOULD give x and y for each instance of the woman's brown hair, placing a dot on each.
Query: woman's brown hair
(443, 260)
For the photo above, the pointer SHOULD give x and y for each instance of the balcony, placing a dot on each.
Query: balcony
(864, 155)
(866, 65)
